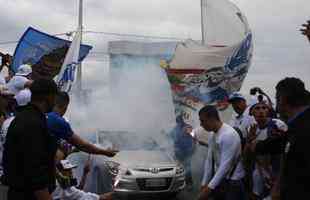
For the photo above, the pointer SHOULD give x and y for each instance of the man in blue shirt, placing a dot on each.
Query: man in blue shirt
(61, 129)
(184, 147)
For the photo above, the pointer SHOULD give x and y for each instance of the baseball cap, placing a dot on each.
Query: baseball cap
(24, 70)
(65, 164)
(235, 95)
(23, 97)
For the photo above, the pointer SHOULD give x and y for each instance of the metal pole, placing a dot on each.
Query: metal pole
(79, 68)
(202, 5)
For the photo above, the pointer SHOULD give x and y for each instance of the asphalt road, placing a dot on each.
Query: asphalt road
(184, 195)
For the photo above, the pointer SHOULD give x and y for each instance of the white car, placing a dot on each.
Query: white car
(141, 166)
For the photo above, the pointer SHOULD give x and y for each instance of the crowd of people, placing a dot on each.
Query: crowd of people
(35, 140)
(261, 154)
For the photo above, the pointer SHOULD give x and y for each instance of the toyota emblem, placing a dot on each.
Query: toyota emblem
(154, 170)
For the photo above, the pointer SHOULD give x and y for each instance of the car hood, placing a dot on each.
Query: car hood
(142, 158)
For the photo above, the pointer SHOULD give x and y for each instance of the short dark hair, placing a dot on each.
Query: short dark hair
(294, 90)
(42, 87)
(62, 99)
(210, 111)
(236, 100)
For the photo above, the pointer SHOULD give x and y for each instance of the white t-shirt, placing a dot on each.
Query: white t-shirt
(2, 79)
(72, 193)
(225, 145)
(4, 130)
(242, 121)
(16, 84)
(262, 134)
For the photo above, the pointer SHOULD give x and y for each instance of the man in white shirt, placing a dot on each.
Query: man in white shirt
(267, 168)
(21, 80)
(223, 165)
(243, 119)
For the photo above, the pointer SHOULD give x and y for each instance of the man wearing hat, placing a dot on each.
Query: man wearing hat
(266, 167)
(21, 80)
(67, 188)
(293, 105)
(242, 119)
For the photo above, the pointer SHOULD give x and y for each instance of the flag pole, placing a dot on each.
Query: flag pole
(203, 20)
(79, 68)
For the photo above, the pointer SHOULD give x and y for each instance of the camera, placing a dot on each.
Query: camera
(255, 90)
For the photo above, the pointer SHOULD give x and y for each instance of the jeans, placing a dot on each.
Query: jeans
(186, 161)
(230, 190)
(235, 190)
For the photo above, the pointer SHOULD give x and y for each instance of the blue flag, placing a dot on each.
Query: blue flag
(45, 53)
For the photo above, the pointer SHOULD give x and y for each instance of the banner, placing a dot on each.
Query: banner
(211, 75)
(44, 52)
(198, 75)
(67, 73)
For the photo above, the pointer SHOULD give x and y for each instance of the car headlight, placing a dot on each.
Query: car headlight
(180, 170)
(113, 167)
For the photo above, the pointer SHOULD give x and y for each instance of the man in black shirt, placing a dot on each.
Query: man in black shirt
(293, 105)
(29, 151)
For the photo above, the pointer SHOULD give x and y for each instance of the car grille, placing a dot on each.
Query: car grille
(141, 183)
(150, 169)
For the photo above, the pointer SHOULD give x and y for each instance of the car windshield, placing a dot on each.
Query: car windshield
(126, 141)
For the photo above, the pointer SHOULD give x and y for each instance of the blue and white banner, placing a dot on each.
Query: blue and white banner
(44, 52)
(67, 72)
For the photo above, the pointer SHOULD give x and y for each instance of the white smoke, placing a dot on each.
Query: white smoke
(136, 99)
(139, 102)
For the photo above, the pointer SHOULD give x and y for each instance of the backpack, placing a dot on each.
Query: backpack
(242, 139)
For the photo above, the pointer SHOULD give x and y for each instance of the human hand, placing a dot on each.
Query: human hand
(260, 91)
(86, 169)
(278, 132)
(204, 193)
(106, 196)
(110, 152)
(252, 133)
(252, 146)
(188, 130)
(254, 90)
(305, 30)
(6, 59)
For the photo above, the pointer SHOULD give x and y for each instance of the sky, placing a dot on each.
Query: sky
(280, 50)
